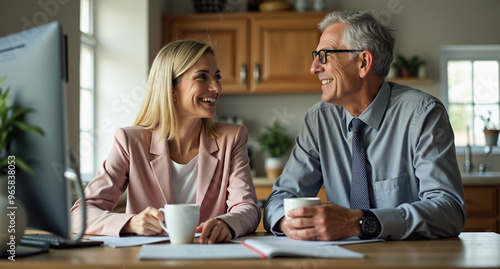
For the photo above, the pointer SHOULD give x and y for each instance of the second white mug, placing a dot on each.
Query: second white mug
(180, 222)
(291, 203)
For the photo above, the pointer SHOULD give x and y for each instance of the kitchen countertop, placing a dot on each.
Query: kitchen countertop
(263, 182)
(481, 178)
(468, 179)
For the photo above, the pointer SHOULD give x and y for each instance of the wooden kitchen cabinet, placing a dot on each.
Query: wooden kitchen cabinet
(230, 37)
(257, 52)
(281, 53)
(482, 205)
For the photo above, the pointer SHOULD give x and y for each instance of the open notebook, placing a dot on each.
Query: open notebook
(258, 247)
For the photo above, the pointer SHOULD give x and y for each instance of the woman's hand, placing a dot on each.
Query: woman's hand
(214, 231)
(145, 223)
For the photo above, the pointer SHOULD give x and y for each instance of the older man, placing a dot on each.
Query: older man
(384, 152)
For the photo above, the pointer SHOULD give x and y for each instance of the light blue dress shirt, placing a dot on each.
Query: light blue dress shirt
(415, 185)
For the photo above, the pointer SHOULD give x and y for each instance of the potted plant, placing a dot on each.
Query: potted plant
(490, 130)
(408, 67)
(11, 124)
(275, 143)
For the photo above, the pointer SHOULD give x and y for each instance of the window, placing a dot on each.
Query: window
(471, 89)
(87, 52)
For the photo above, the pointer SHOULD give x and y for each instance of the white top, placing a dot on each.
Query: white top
(184, 181)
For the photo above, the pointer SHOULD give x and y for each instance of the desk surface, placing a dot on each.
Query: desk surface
(476, 250)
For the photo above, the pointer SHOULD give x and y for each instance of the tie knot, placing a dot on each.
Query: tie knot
(357, 125)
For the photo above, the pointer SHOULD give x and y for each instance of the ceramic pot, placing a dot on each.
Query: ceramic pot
(301, 5)
(422, 71)
(393, 72)
(274, 167)
(13, 220)
(404, 73)
(491, 137)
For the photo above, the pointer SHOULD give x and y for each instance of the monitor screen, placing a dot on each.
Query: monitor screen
(33, 63)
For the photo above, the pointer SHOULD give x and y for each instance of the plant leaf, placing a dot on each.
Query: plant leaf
(29, 128)
(23, 166)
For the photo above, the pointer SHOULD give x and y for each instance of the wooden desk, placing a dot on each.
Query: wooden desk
(476, 250)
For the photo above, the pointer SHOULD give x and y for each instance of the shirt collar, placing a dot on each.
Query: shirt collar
(374, 113)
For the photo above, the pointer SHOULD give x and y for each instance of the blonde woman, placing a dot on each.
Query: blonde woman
(176, 153)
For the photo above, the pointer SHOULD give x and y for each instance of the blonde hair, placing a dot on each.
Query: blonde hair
(157, 109)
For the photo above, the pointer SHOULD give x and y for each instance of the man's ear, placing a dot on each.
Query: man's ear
(365, 63)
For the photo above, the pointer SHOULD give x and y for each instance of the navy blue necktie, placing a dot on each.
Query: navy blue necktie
(360, 197)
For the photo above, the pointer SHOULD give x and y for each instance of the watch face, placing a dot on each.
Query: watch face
(370, 225)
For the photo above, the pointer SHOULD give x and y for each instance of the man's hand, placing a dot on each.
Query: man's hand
(326, 222)
(145, 223)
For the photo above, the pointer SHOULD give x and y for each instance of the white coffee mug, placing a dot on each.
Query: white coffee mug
(291, 203)
(180, 222)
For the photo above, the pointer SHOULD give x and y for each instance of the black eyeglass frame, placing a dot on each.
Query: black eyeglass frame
(323, 60)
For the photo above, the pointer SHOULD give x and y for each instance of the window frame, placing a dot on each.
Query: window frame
(466, 53)
(89, 41)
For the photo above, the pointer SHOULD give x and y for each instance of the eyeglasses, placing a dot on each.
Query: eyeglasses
(323, 53)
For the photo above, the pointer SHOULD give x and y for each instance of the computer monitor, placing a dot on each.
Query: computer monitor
(34, 64)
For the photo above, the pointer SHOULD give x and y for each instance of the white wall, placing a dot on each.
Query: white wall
(155, 34)
(121, 67)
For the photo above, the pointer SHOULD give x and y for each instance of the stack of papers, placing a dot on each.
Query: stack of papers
(133, 240)
(129, 241)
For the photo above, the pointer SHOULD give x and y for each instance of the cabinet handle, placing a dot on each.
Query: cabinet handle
(256, 73)
(243, 73)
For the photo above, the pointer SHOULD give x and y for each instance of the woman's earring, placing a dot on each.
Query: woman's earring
(175, 100)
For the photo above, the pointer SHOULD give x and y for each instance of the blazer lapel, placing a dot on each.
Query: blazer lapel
(206, 166)
(161, 166)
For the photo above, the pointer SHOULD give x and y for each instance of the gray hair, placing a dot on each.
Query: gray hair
(365, 31)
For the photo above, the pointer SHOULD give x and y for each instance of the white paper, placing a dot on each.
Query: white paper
(132, 240)
(196, 252)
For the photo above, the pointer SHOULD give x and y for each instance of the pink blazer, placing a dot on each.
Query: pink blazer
(140, 162)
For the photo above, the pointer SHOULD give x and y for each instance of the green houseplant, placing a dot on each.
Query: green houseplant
(11, 124)
(408, 67)
(274, 141)
(490, 130)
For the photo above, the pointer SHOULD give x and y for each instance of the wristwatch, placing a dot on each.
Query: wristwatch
(369, 225)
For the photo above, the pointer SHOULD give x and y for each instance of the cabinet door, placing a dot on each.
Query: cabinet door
(281, 53)
(230, 39)
(475, 224)
(482, 204)
(481, 201)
